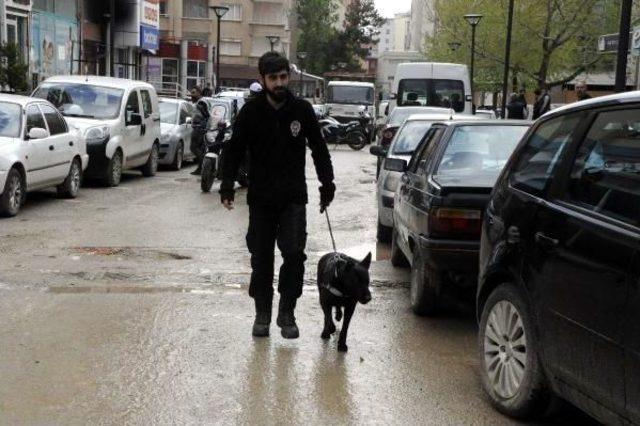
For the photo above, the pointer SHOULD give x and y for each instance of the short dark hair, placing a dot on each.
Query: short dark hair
(272, 62)
(197, 89)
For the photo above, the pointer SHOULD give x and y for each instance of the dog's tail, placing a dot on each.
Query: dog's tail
(338, 313)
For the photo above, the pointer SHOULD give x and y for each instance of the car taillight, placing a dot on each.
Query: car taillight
(449, 221)
(387, 136)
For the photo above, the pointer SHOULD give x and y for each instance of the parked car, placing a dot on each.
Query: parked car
(438, 206)
(558, 298)
(175, 128)
(119, 118)
(402, 146)
(395, 120)
(486, 113)
(37, 150)
(239, 96)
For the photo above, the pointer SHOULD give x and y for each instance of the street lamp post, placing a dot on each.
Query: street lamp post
(273, 39)
(301, 57)
(473, 19)
(219, 11)
(507, 59)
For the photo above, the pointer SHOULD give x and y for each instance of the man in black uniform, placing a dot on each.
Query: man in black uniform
(274, 127)
(200, 122)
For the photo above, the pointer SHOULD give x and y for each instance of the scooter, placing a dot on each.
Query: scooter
(214, 158)
(338, 133)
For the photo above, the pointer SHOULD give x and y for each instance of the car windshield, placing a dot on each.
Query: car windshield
(355, 95)
(398, 115)
(82, 100)
(10, 119)
(475, 155)
(168, 112)
(410, 136)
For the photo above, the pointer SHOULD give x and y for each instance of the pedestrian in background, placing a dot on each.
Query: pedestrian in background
(542, 104)
(275, 127)
(581, 91)
(207, 92)
(516, 109)
(200, 122)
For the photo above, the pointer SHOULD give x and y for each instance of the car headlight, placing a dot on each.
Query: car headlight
(391, 182)
(96, 134)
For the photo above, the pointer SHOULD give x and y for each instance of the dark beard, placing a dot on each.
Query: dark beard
(279, 94)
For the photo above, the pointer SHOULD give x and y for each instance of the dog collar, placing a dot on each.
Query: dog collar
(334, 291)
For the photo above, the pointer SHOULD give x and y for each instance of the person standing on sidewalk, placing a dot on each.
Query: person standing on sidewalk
(542, 104)
(581, 91)
(516, 110)
(200, 123)
(274, 127)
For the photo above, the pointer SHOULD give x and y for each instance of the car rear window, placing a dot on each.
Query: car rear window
(475, 155)
(410, 136)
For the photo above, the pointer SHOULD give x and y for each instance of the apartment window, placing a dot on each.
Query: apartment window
(195, 73)
(163, 7)
(169, 74)
(195, 9)
(234, 13)
(268, 13)
(231, 47)
(259, 46)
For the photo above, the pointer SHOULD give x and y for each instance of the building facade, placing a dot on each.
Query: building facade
(188, 30)
(423, 23)
(387, 64)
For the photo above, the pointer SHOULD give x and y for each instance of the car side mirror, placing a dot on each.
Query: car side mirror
(134, 119)
(37, 133)
(378, 151)
(395, 165)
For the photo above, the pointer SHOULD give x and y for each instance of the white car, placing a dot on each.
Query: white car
(405, 141)
(37, 150)
(119, 118)
(175, 125)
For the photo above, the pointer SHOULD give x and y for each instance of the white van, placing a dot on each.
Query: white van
(345, 99)
(119, 119)
(432, 84)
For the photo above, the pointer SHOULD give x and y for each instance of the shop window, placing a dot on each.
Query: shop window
(169, 74)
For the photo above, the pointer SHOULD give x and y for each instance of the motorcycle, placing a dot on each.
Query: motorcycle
(351, 133)
(214, 158)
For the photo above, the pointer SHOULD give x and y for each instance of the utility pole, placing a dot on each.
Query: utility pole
(112, 37)
(507, 58)
(623, 46)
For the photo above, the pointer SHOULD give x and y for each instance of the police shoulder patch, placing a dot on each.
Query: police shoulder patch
(295, 128)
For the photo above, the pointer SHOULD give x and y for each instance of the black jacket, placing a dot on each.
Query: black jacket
(516, 110)
(542, 105)
(276, 143)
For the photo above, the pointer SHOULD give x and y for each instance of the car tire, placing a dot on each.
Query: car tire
(151, 167)
(208, 174)
(398, 258)
(71, 185)
(426, 287)
(114, 170)
(13, 195)
(178, 157)
(512, 347)
(383, 233)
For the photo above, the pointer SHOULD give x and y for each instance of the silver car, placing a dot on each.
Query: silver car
(405, 141)
(175, 128)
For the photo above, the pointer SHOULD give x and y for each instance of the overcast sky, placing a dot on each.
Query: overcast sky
(388, 8)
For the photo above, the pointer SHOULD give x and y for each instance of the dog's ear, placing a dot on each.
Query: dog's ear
(366, 263)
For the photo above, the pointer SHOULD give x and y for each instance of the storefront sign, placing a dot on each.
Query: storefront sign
(149, 24)
(53, 44)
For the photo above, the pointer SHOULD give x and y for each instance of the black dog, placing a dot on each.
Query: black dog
(342, 282)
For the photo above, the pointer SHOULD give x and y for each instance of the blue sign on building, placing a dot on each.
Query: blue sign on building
(149, 38)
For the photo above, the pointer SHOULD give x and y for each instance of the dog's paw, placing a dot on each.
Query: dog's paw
(342, 347)
(325, 335)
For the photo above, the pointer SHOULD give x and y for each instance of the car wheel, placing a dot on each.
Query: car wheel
(208, 174)
(178, 158)
(398, 258)
(384, 233)
(426, 285)
(71, 185)
(114, 170)
(151, 167)
(511, 372)
(13, 194)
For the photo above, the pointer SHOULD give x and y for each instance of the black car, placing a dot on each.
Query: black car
(559, 286)
(439, 203)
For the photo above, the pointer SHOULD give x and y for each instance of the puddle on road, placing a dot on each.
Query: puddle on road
(134, 289)
(128, 252)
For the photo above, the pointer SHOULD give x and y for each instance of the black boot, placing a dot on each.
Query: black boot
(263, 318)
(286, 320)
(197, 171)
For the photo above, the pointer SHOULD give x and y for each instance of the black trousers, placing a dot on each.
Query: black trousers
(197, 145)
(286, 225)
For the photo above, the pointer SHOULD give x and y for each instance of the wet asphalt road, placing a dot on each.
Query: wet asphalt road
(128, 306)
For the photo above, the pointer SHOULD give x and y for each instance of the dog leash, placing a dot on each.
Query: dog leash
(333, 241)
